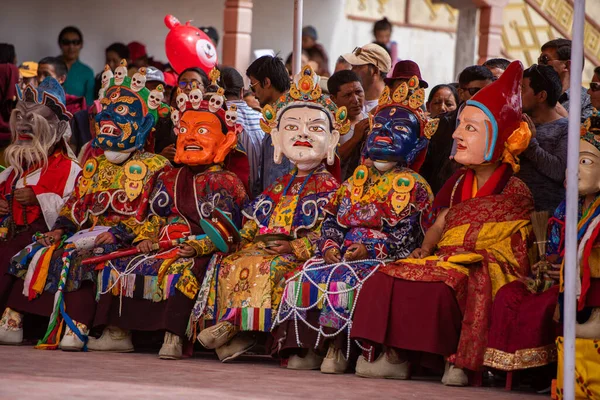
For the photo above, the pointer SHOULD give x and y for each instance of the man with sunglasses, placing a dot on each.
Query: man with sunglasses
(557, 54)
(269, 80)
(80, 78)
(544, 162)
(594, 90)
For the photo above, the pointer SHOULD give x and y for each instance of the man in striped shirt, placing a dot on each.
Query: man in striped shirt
(252, 136)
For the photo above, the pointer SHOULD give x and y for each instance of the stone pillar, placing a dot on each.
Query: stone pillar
(466, 35)
(490, 29)
(237, 39)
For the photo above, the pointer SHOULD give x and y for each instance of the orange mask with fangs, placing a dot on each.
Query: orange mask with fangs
(203, 138)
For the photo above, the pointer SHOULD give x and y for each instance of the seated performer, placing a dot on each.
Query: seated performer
(282, 224)
(523, 327)
(478, 243)
(39, 181)
(157, 292)
(587, 331)
(375, 217)
(108, 209)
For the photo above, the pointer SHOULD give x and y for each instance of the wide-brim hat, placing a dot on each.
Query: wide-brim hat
(406, 69)
(370, 54)
(28, 69)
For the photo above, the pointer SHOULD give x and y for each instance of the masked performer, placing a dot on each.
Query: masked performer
(524, 327)
(41, 178)
(158, 291)
(587, 330)
(477, 244)
(108, 209)
(375, 217)
(281, 224)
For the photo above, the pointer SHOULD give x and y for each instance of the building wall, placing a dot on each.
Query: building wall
(33, 28)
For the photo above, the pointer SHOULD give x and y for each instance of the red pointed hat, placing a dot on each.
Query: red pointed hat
(501, 102)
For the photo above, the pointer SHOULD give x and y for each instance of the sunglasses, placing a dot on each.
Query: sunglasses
(595, 86)
(252, 86)
(545, 60)
(472, 90)
(188, 85)
(66, 42)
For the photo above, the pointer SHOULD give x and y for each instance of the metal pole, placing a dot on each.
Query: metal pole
(297, 58)
(570, 269)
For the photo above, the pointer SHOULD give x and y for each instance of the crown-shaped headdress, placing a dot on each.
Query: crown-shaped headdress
(194, 101)
(411, 97)
(305, 89)
(590, 129)
(50, 94)
(111, 90)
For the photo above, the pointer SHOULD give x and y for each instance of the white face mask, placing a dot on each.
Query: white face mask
(384, 166)
(305, 137)
(116, 157)
(308, 165)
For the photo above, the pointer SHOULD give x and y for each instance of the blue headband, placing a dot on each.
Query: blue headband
(488, 155)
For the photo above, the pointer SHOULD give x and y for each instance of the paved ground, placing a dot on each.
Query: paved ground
(26, 373)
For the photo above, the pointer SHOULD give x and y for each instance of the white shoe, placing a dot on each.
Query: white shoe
(70, 341)
(454, 376)
(217, 335)
(334, 362)
(240, 344)
(388, 365)
(11, 327)
(590, 329)
(309, 362)
(172, 348)
(113, 339)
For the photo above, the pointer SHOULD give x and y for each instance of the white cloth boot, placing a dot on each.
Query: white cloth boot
(70, 341)
(11, 327)
(113, 339)
(388, 365)
(334, 362)
(309, 362)
(172, 348)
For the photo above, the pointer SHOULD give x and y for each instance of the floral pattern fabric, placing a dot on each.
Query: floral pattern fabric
(157, 278)
(367, 217)
(247, 286)
(484, 246)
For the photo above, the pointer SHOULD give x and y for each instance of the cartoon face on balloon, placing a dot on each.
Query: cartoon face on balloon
(305, 136)
(395, 136)
(472, 137)
(201, 139)
(187, 46)
(123, 124)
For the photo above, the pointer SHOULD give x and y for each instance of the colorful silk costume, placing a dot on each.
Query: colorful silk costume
(250, 282)
(51, 183)
(180, 199)
(483, 246)
(524, 326)
(247, 286)
(112, 195)
(380, 209)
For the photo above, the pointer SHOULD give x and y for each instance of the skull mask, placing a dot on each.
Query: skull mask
(231, 116)
(174, 116)
(107, 75)
(181, 99)
(156, 97)
(215, 102)
(138, 81)
(121, 73)
(195, 97)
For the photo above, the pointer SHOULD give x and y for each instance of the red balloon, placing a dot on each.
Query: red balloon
(187, 46)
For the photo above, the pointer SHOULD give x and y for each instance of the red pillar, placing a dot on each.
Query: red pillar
(490, 29)
(237, 39)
